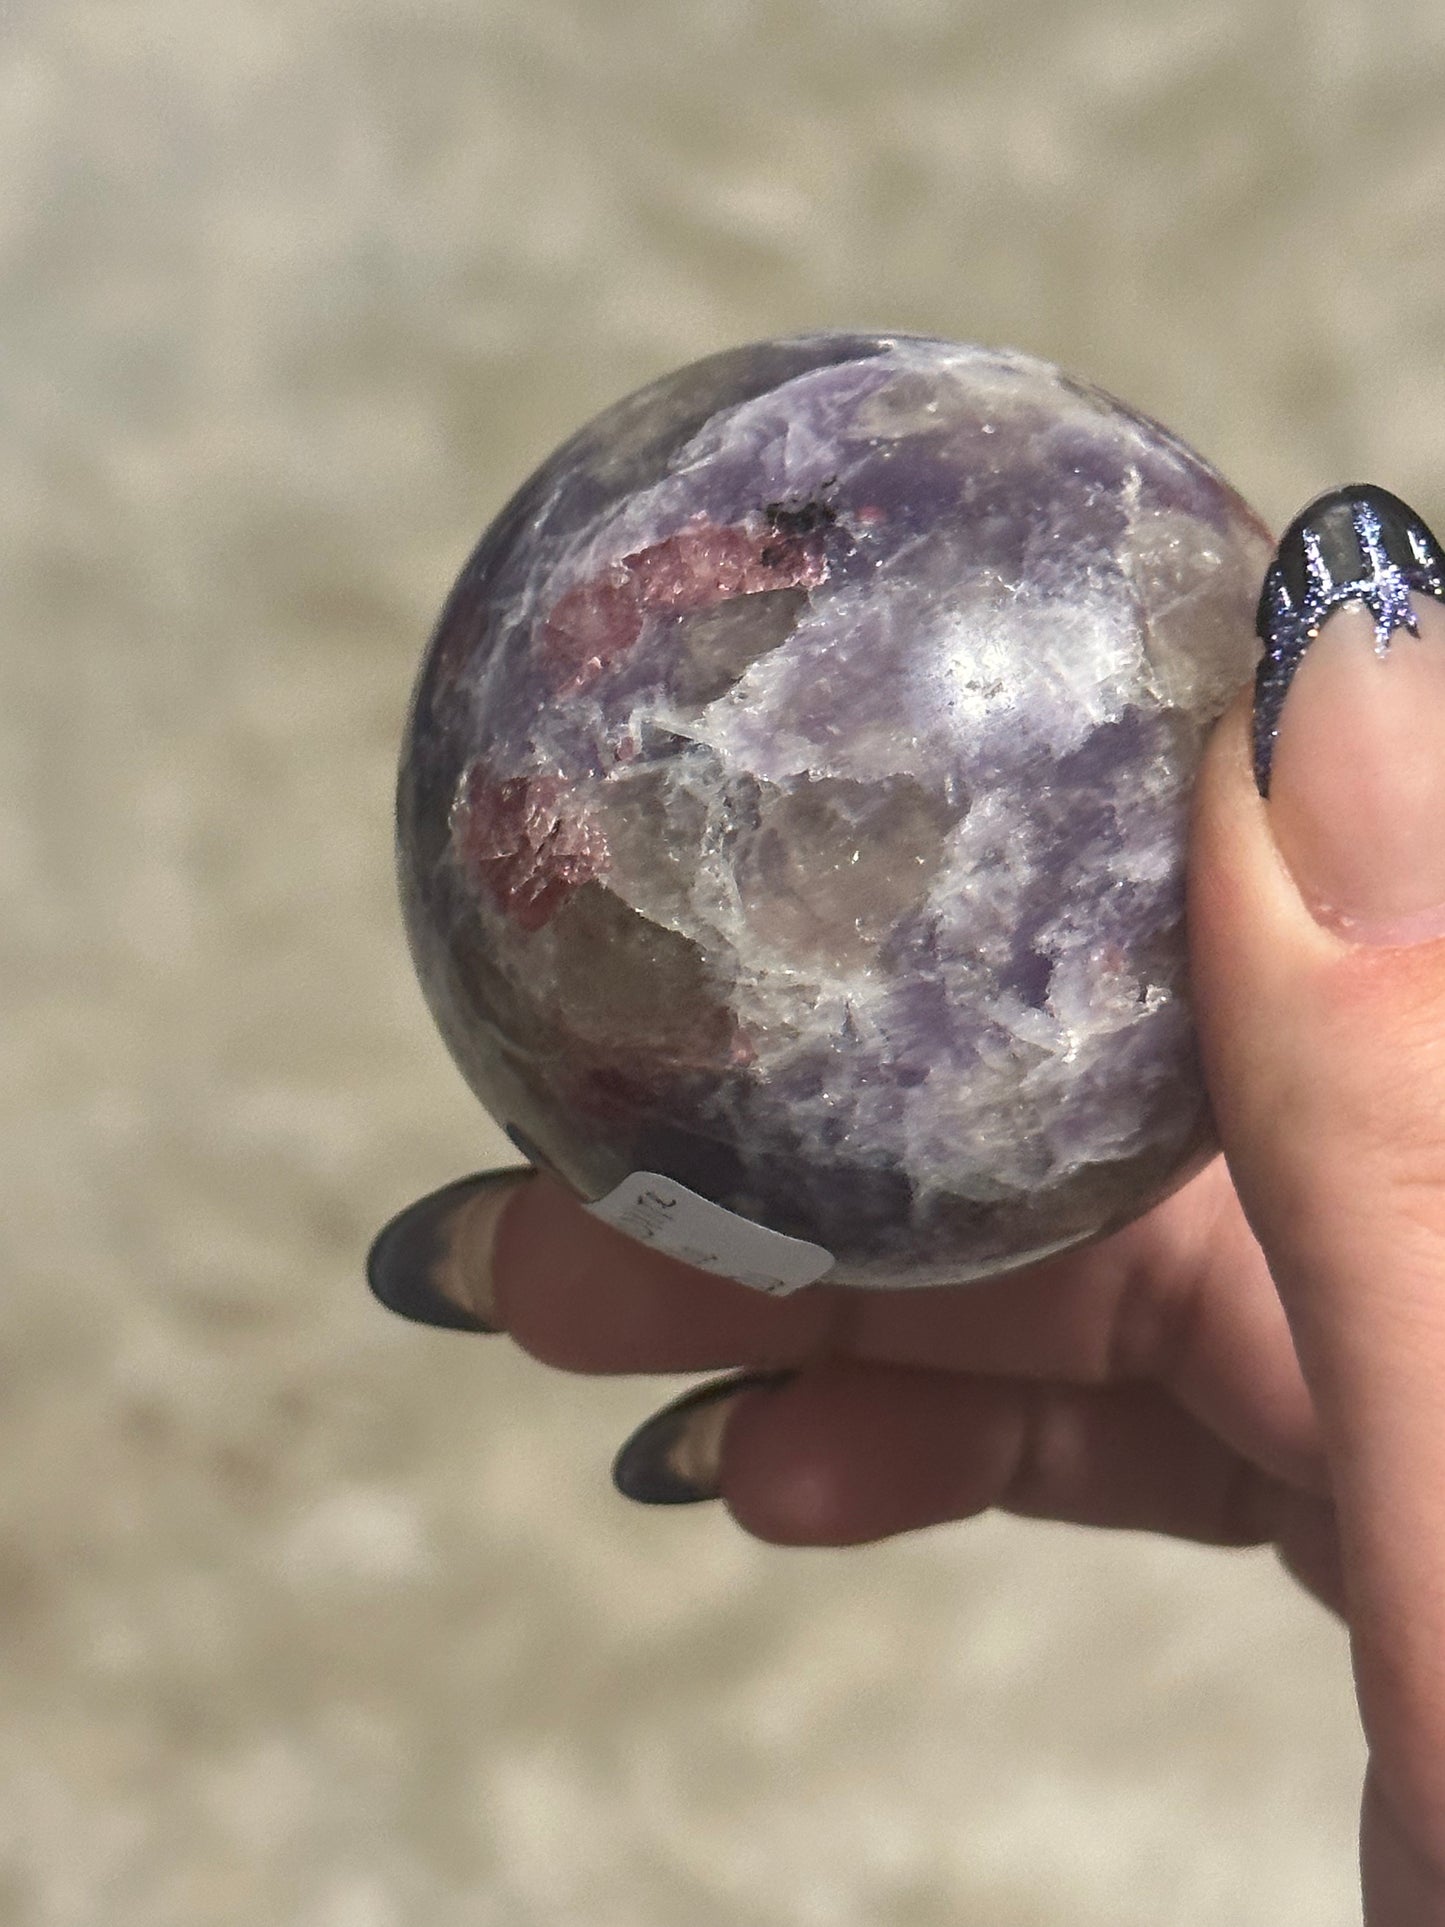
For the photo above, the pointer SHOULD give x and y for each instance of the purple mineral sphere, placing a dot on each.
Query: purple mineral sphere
(793, 801)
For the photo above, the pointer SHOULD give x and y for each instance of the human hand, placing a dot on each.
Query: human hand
(1259, 1360)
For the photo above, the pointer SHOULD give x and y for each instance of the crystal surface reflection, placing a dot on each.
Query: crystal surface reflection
(793, 800)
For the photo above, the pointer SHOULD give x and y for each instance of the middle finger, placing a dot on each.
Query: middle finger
(1181, 1297)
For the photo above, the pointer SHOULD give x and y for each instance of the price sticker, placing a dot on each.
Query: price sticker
(659, 1211)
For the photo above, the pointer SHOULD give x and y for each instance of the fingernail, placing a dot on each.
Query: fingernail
(433, 1262)
(675, 1457)
(1349, 715)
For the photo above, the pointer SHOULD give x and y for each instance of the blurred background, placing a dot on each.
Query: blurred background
(314, 1619)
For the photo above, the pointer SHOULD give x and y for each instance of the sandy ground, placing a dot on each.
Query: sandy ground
(315, 1620)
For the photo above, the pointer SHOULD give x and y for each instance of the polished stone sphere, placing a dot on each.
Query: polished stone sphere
(793, 802)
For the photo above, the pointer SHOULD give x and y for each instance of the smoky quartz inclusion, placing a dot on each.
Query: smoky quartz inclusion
(793, 801)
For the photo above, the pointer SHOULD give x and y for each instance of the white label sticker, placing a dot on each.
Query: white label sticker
(659, 1211)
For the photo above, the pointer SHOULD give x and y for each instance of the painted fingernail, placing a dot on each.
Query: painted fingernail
(675, 1457)
(1349, 715)
(433, 1262)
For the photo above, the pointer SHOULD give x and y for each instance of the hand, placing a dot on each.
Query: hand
(1260, 1360)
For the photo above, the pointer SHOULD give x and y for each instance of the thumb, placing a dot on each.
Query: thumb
(1317, 935)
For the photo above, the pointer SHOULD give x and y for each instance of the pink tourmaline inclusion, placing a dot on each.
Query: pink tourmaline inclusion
(597, 622)
(514, 840)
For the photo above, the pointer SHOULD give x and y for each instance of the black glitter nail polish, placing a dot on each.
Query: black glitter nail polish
(1355, 544)
(401, 1264)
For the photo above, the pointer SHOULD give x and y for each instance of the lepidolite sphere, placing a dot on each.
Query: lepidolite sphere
(794, 799)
